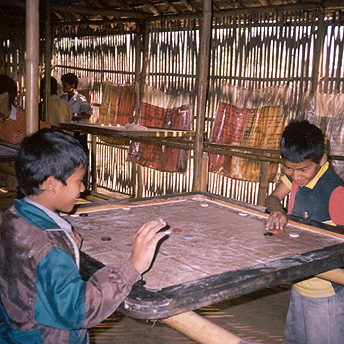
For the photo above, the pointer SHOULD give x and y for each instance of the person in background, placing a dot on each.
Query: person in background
(77, 102)
(59, 111)
(80, 108)
(12, 118)
(12, 122)
(316, 309)
(43, 296)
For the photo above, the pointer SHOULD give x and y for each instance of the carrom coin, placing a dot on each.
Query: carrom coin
(294, 235)
(268, 234)
(276, 230)
(106, 238)
(177, 230)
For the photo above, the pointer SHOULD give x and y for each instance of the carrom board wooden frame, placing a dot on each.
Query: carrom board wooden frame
(147, 303)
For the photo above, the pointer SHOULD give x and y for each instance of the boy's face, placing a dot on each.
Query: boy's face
(303, 172)
(66, 195)
(67, 87)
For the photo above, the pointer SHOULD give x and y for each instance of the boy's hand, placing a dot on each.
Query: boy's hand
(277, 219)
(144, 244)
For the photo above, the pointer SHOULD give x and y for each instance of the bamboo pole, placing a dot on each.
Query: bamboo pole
(47, 55)
(263, 182)
(202, 94)
(318, 53)
(31, 62)
(94, 162)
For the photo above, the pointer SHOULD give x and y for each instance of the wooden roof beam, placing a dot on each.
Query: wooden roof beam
(98, 11)
(265, 2)
(152, 8)
(187, 4)
(170, 6)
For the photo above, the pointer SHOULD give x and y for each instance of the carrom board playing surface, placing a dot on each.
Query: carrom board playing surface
(212, 241)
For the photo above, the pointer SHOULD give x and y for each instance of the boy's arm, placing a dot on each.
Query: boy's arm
(67, 302)
(336, 206)
(278, 217)
(108, 287)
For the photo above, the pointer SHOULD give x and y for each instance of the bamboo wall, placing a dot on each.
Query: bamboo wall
(301, 48)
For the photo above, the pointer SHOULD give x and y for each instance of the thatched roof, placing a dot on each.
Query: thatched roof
(89, 10)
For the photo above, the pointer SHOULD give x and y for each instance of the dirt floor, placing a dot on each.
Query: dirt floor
(258, 316)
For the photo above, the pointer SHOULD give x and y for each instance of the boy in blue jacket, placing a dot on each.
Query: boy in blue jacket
(43, 297)
(316, 309)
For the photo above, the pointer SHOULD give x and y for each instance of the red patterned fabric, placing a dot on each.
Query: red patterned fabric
(160, 157)
(118, 106)
(126, 104)
(228, 129)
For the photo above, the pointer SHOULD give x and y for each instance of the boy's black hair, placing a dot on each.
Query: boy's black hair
(302, 141)
(7, 84)
(46, 153)
(70, 78)
(53, 86)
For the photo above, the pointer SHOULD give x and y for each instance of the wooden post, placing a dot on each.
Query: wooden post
(263, 182)
(200, 329)
(94, 162)
(138, 70)
(47, 58)
(318, 52)
(205, 171)
(138, 170)
(145, 58)
(31, 63)
(140, 180)
(202, 94)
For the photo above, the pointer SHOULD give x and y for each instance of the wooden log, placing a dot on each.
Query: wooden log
(200, 329)
(336, 276)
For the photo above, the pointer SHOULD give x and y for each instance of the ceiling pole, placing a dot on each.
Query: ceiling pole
(202, 96)
(31, 64)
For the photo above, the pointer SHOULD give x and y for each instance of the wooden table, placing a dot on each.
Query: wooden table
(7, 151)
(217, 250)
(7, 154)
(121, 131)
(135, 133)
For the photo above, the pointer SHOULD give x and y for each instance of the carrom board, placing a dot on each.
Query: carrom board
(216, 250)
